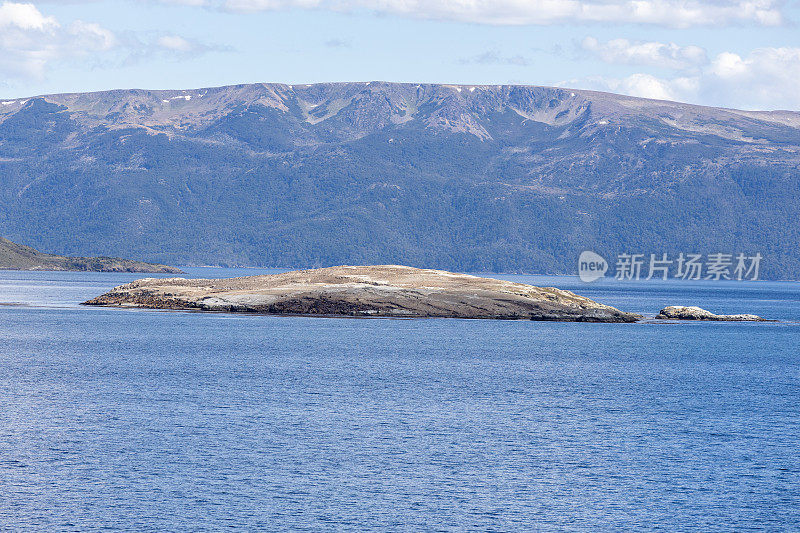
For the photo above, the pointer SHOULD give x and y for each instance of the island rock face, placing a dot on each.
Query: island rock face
(15, 256)
(365, 291)
(678, 312)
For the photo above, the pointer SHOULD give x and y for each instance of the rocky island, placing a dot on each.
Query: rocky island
(680, 312)
(15, 256)
(364, 291)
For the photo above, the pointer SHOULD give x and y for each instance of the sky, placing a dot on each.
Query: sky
(729, 53)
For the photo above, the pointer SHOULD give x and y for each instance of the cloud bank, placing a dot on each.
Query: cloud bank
(30, 42)
(670, 13)
(492, 57)
(765, 78)
(654, 54)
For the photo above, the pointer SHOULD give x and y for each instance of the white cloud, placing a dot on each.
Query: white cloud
(654, 54)
(175, 43)
(29, 40)
(337, 42)
(728, 65)
(187, 2)
(91, 37)
(170, 45)
(672, 13)
(766, 78)
(24, 17)
(646, 86)
(493, 57)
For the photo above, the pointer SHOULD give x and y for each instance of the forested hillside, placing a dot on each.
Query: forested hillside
(484, 178)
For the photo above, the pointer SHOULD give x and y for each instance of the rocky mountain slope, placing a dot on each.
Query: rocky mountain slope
(15, 256)
(365, 291)
(476, 178)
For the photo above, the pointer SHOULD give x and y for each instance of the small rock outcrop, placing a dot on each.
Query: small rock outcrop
(365, 291)
(678, 312)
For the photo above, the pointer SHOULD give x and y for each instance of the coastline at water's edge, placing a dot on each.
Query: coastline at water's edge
(365, 291)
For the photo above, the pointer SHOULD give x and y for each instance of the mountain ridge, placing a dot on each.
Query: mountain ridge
(277, 93)
(460, 177)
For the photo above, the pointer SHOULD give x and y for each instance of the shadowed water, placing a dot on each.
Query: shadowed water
(130, 419)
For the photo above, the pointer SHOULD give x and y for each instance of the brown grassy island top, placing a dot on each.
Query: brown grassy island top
(364, 291)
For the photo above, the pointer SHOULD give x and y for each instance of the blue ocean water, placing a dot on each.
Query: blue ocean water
(172, 421)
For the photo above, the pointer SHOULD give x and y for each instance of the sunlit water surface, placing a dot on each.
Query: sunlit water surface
(149, 420)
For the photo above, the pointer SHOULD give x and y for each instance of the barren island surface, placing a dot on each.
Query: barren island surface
(364, 291)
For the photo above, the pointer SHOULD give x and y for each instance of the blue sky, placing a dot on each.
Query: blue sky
(737, 53)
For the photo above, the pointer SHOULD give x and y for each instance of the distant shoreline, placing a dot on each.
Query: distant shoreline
(15, 256)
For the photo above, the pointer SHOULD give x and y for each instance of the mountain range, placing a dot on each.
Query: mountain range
(477, 178)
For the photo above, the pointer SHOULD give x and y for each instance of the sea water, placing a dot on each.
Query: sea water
(177, 421)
